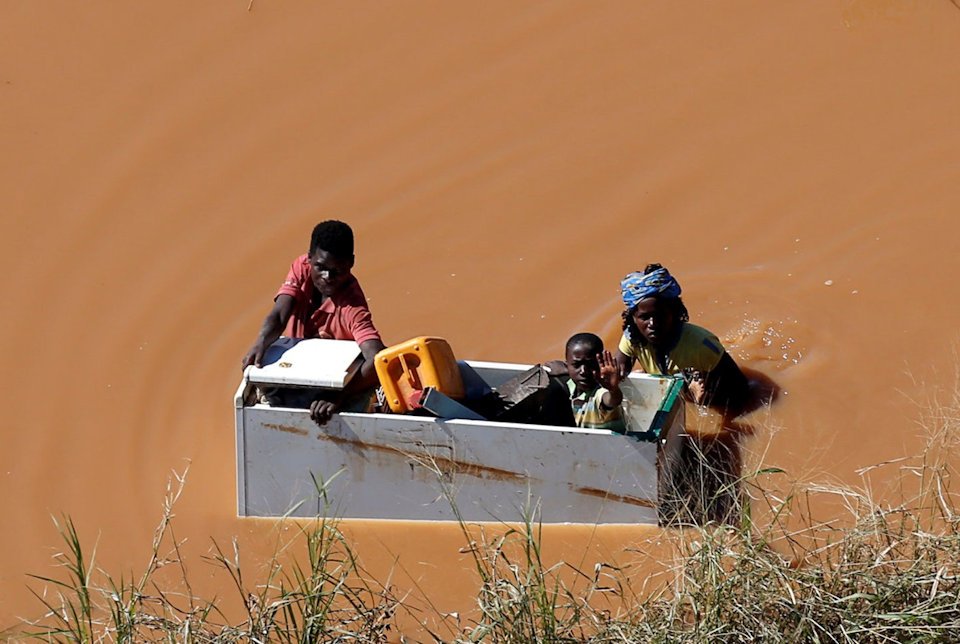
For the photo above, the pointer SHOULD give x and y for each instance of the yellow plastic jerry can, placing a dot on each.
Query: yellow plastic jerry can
(406, 369)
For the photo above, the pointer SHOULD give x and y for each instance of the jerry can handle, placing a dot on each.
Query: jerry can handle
(411, 374)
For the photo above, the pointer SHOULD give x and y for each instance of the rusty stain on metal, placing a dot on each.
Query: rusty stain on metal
(287, 428)
(610, 496)
(339, 440)
(423, 445)
(441, 464)
(451, 466)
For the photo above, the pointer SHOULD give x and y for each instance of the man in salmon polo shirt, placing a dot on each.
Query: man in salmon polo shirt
(322, 299)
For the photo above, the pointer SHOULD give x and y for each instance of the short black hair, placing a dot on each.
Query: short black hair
(333, 236)
(589, 340)
(633, 332)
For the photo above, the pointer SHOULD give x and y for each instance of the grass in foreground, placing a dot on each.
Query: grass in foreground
(878, 571)
(325, 597)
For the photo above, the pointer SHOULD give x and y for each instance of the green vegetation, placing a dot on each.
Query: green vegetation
(881, 568)
(322, 596)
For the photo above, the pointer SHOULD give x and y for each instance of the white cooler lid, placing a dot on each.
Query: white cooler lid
(329, 364)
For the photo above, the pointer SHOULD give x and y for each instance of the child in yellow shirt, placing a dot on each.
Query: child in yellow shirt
(594, 384)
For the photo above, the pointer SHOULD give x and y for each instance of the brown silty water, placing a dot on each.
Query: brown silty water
(796, 165)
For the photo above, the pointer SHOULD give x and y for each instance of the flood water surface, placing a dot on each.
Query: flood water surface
(795, 165)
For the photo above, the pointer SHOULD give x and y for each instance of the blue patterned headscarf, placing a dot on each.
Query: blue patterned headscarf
(637, 286)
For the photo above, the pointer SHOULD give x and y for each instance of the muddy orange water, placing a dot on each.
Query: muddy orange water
(796, 165)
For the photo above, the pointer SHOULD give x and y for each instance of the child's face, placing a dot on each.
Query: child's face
(582, 366)
(329, 272)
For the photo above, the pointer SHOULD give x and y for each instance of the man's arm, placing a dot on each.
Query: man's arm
(321, 411)
(360, 323)
(273, 326)
(367, 376)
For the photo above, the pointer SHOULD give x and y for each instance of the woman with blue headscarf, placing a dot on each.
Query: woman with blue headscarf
(660, 340)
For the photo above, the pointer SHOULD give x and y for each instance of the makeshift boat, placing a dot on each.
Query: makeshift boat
(415, 467)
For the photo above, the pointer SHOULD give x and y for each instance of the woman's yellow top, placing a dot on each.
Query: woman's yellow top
(696, 349)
